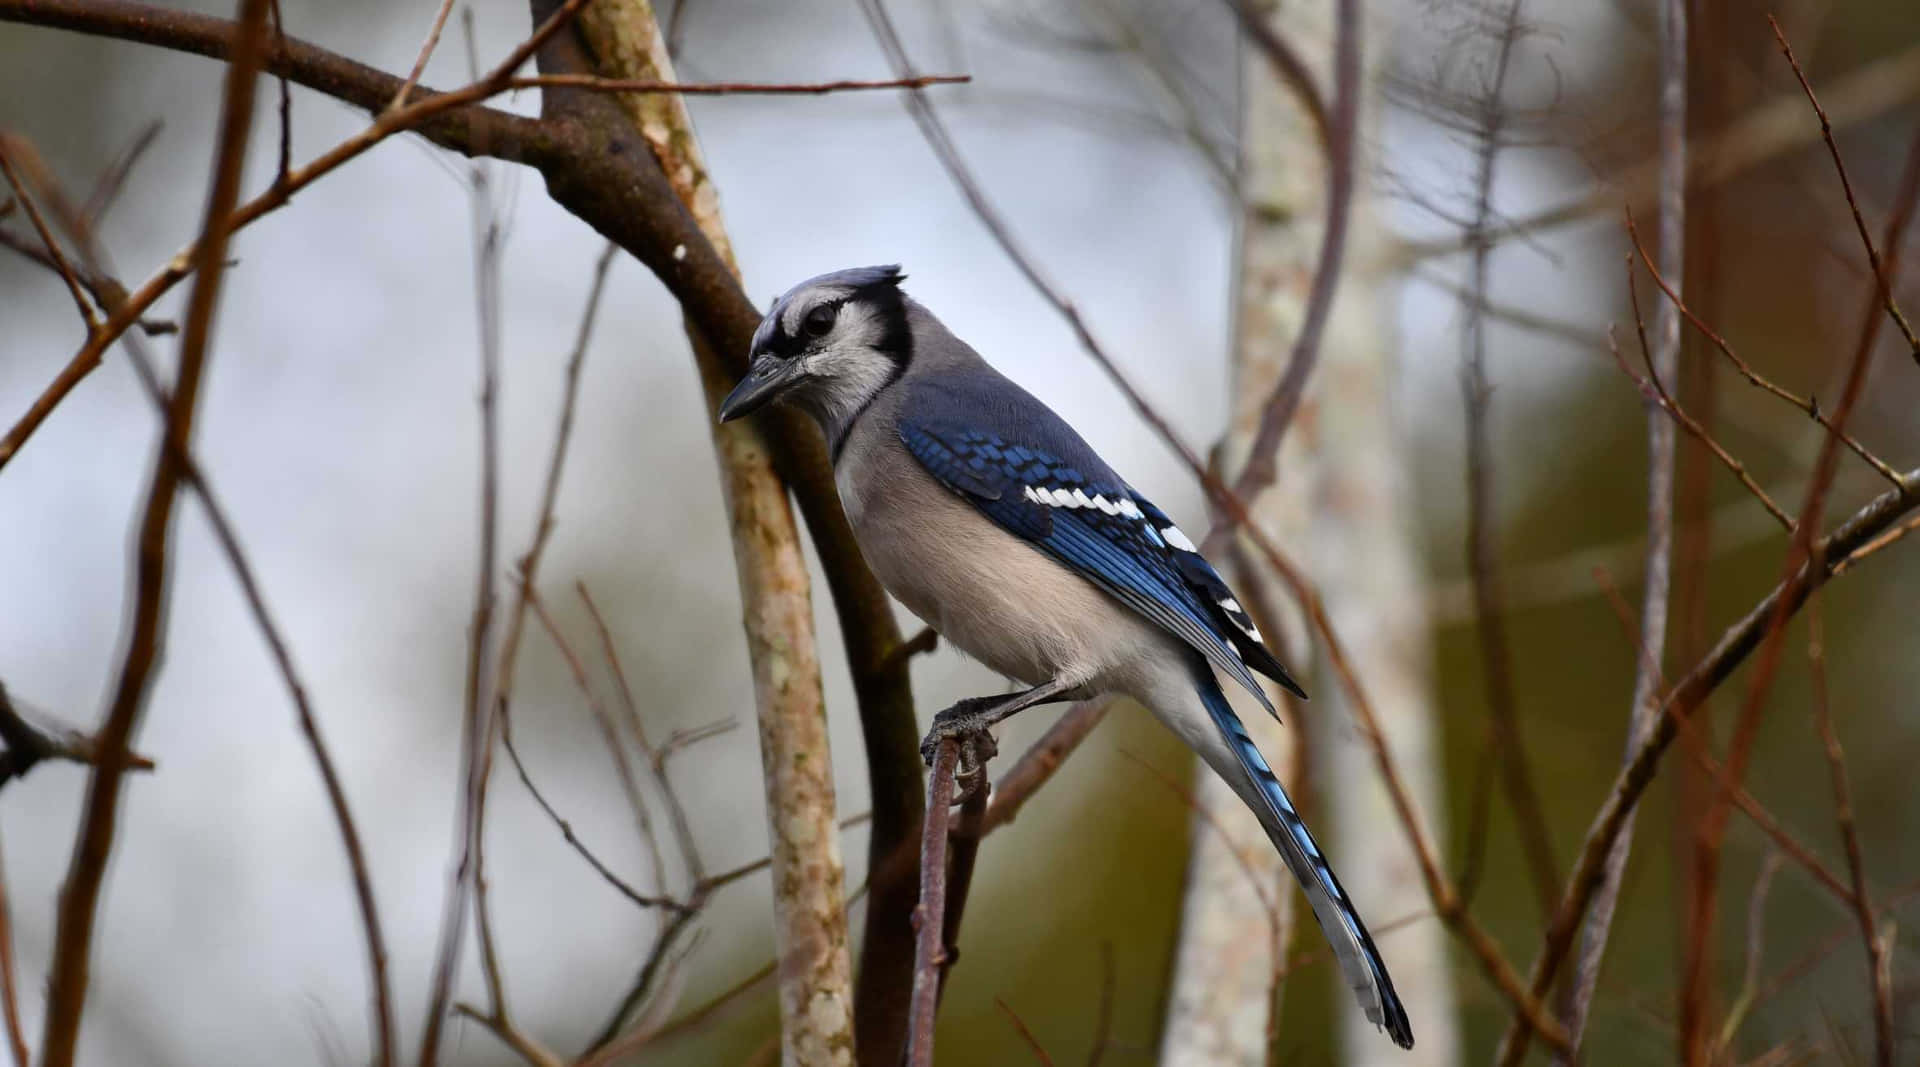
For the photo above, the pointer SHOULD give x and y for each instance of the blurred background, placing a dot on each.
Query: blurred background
(340, 425)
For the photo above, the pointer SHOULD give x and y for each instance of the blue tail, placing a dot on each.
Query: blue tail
(1360, 962)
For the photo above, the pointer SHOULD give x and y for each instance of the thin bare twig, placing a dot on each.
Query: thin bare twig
(79, 899)
(1026, 1036)
(479, 725)
(426, 52)
(59, 258)
(29, 742)
(1877, 968)
(567, 834)
(1812, 410)
(106, 190)
(1883, 272)
(1654, 391)
(1756, 942)
(1103, 1020)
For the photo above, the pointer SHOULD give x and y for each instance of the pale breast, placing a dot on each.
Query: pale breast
(992, 595)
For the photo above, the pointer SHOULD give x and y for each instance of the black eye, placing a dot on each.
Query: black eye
(820, 320)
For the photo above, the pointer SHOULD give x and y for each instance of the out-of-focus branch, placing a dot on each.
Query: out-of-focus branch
(1774, 129)
(79, 897)
(1663, 363)
(1482, 548)
(1711, 837)
(1735, 645)
(1878, 968)
(479, 720)
(77, 224)
(810, 924)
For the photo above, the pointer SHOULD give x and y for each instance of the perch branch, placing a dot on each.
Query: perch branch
(929, 943)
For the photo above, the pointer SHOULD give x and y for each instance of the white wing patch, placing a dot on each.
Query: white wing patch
(1078, 498)
(1177, 539)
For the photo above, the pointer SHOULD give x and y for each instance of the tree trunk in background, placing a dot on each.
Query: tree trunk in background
(809, 903)
(1342, 499)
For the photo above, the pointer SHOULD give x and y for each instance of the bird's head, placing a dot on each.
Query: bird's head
(829, 344)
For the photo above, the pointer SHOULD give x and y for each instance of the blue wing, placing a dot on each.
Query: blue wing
(1082, 514)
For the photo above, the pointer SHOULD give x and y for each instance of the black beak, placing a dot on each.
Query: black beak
(766, 379)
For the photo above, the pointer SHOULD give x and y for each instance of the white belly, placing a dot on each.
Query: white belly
(992, 595)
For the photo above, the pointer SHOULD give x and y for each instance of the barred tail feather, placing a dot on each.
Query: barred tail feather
(1360, 962)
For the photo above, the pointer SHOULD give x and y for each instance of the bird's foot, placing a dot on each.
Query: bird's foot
(965, 723)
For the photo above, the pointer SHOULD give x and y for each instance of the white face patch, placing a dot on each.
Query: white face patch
(840, 372)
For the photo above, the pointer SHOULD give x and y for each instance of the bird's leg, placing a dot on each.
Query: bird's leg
(968, 722)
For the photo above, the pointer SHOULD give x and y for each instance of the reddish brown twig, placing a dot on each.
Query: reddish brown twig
(1883, 272)
(1103, 1019)
(1877, 968)
(1655, 392)
(928, 916)
(1753, 377)
(1026, 1036)
(73, 937)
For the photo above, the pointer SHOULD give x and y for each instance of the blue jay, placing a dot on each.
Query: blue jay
(987, 516)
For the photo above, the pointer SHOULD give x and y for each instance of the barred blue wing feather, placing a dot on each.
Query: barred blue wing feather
(1092, 522)
(1213, 592)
